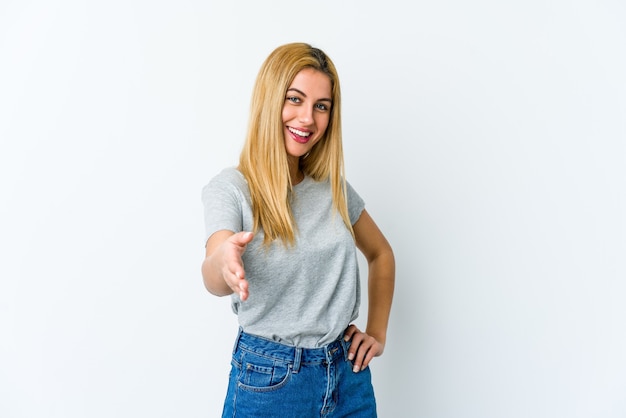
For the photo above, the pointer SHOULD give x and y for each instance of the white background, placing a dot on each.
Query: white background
(488, 139)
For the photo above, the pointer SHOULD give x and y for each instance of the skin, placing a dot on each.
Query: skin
(307, 109)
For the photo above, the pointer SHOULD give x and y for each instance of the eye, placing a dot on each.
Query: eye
(322, 106)
(293, 99)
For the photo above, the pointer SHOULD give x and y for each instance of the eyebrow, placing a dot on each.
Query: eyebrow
(302, 93)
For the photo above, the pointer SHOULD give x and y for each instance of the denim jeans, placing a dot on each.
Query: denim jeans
(269, 379)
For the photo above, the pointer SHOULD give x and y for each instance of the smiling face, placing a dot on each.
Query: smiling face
(306, 112)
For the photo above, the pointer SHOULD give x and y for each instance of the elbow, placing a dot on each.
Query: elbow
(385, 256)
(383, 264)
(387, 262)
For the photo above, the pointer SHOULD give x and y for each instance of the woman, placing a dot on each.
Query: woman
(282, 231)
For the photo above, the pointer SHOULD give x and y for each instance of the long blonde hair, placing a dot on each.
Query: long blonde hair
(263, 160)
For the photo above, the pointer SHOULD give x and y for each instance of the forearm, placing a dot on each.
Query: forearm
(380, 294)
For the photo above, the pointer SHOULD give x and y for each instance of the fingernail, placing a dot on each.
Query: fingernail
(356, 369)
(241, 286)
(346, 338)
(241, 295)
(350, 356)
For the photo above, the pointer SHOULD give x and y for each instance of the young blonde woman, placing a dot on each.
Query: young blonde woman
(282, 233)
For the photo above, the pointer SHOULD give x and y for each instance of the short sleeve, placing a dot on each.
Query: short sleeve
(222, 201)
(355, 204)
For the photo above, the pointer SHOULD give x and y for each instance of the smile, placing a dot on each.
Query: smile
(299, 133)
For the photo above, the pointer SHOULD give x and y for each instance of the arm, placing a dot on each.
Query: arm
(381, 277)
(222, 268)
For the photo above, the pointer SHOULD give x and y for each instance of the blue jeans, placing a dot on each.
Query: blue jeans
(269, 379)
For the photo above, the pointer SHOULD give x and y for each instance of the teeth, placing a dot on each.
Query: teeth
(300, 133)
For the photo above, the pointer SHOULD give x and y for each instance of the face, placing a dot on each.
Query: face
(306, 112)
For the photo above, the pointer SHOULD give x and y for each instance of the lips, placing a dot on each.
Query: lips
(299, 136)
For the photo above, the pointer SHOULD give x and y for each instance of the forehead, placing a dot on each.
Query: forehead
(313, 83)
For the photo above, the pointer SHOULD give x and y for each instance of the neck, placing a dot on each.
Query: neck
(294, 172)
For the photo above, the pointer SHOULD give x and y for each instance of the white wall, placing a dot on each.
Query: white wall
(488, 139)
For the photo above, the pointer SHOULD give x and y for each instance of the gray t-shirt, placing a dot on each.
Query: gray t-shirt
(304, 295)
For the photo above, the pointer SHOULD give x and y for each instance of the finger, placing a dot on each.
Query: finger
(357, 364)
(368, 349)
(349, 332)
(357, 339)
(371, 353)
(234, 273)
(242, 288)
(236, 281)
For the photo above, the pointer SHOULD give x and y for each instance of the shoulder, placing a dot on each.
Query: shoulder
(351, 191)
(355, 203)
(228, 176)
(228, 180)
(350, 188)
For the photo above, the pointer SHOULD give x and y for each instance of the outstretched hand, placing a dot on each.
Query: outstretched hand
(363, 347)
(233, 272)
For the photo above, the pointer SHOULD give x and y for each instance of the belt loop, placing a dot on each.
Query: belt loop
(297, 359)
(237, 340)
(345, 346)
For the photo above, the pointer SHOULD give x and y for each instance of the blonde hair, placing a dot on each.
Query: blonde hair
(263, 160)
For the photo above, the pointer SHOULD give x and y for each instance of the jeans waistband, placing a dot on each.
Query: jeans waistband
(291, 354)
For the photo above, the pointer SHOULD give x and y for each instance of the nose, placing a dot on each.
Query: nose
(306, 114)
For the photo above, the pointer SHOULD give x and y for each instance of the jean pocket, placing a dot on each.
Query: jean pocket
(262, 374)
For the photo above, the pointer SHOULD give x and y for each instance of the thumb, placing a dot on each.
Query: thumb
(242, 238)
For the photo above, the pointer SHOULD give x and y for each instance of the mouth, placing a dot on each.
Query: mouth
(298, 135)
